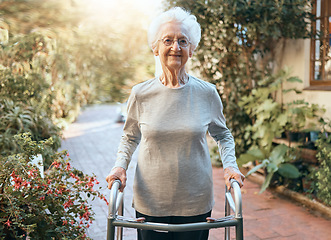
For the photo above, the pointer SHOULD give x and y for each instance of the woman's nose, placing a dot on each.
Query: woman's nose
(175, 45)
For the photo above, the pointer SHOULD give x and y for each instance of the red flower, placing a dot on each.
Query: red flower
(65, 222)
(104, 198)
(25, 184)
(86, 215)
(68, 203)
(17, 185)
(68, 166)
(8, 223)
(56, 164)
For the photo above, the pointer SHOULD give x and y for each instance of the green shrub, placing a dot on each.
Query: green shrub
(323, 173)
(18, 117)
(270, 120)
(53, 207)
(26, 97)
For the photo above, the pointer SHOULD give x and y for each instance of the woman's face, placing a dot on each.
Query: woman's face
(173, 57)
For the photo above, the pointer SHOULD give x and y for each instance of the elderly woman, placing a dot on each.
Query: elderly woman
(169, 116)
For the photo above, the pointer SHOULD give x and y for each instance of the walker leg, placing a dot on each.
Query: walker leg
(120, 229)
(240, 229)
(110, 230)
(227, 213)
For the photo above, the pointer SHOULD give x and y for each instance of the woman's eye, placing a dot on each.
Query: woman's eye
(167, 40)
(183, 42)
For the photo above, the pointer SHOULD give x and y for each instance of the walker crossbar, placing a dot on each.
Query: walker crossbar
(225, 222)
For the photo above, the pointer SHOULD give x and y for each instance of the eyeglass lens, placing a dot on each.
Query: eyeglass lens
(183, 42)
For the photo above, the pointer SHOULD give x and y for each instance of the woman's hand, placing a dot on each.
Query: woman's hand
(117, 173)
(233, 173)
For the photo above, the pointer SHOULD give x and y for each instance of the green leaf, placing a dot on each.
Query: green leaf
(272, 167)
(294, 79)
(245, 158)
(254, 169)
(282, 119)
(257, 153)
(266, 182)
(267, 105)
(277, 154)
(288, 170)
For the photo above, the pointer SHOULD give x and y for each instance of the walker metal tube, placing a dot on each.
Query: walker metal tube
(113, 198)
(238, 210)
(112, 210)
(120, 204)
(237, 197)
(119, 201)
(175, 227)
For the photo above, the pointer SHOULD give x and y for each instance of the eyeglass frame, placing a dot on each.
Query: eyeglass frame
(173, 40)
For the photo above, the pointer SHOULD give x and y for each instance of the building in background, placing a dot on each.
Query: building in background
(310, 59)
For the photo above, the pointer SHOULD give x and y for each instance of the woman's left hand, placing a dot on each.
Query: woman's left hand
(233, 173)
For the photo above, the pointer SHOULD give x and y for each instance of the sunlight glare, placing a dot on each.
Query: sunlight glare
(101, 10)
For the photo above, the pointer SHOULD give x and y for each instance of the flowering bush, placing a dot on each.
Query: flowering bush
(53, 207)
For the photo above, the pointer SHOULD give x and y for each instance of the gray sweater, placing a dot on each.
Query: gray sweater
(174, 173)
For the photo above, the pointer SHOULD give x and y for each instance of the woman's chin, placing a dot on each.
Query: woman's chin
(175, 65)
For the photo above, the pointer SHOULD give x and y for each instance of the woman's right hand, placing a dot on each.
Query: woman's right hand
(117, 173)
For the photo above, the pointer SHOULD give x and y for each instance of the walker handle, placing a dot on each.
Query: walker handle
(113, 201)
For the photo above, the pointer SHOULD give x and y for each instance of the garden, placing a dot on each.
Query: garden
(287, 142)
(54, 60)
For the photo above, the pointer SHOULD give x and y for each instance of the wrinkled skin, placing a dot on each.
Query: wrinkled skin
(117, 173)
(233, 173)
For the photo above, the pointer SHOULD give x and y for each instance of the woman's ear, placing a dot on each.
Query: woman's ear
(190, 53)
(191, 50)
(155, 51)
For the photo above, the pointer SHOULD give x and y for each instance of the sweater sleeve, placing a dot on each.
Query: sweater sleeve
(131, 134)
(218, 130)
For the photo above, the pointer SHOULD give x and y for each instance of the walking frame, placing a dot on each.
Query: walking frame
(117, 220)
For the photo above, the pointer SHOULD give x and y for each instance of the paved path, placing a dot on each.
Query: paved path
(92, 144)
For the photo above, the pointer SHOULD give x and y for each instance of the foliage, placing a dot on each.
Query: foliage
(53, 61)
(53, 207)
(270, 120)
(25, 96)
(275, 161)
(323, 173)
(238, 47)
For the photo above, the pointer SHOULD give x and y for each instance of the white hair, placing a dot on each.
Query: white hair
(178, 15)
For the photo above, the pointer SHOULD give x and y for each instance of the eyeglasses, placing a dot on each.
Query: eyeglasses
(182, 42)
